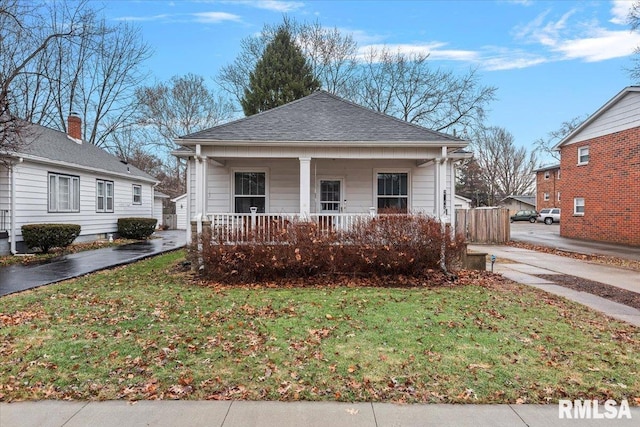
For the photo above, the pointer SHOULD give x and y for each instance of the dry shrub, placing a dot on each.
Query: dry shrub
(386, 245)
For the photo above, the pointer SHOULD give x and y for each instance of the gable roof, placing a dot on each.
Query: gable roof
(46, 145)
(530, 200)
(320, 117)
(547, 168)
(592, 118)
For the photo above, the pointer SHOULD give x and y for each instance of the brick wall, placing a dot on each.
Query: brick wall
(551, 186)
(610, 186)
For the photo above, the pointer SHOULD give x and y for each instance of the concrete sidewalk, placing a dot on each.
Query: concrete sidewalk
(282, 414)
(526, 264)
(16, 278)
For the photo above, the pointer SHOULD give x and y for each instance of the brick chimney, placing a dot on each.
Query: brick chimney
(74, 127)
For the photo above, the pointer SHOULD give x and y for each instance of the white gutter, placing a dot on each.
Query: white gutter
(12, 231)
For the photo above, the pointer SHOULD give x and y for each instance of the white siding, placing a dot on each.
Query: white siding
(5, 197)
(32, 200)
(621, 116)
(181, 212)
(157, 210)
(284, 183)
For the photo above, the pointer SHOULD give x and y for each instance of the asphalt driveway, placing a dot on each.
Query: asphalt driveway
(16, 278)
(549, 236)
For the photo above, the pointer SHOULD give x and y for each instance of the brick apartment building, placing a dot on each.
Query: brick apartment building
(548, 187)
(600, 164)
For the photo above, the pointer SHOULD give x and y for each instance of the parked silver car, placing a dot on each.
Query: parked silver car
(549, 215)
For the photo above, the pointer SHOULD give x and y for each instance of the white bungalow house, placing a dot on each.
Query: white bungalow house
(58, 178)
(319, 158)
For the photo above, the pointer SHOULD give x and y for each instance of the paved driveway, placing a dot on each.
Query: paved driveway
(549, 235)
(16, 278)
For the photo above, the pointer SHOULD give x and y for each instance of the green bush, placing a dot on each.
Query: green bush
(136, 228)
(47, 236)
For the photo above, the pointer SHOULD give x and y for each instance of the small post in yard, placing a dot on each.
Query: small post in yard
(493, 260)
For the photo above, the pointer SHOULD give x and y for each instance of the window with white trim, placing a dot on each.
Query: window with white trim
(558, 196)
(546, 197)
(104, 196)
(578, 206)
(583, 155)
(393, 191)
(558, 174)
(250, 190)
(64, 193)
(137, 194)
(547, 174)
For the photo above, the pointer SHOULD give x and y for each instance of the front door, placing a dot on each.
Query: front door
(331, 195)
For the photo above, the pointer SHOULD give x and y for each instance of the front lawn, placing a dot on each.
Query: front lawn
(148, 331)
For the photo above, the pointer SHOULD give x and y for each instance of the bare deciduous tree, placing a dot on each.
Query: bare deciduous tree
(81, 64)
(23, 43)
(505, 169)
(545, 146)
(179, 107)
(407, 87)
(332, 56)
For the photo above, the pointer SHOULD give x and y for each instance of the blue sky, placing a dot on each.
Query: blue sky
(550, 60)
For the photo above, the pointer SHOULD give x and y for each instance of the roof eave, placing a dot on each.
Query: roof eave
(46, 161)
(595, 115)
(272, 143)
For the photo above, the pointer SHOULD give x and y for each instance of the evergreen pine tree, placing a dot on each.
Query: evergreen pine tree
(281, 75)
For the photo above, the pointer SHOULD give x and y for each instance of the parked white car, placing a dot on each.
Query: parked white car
(549, 215)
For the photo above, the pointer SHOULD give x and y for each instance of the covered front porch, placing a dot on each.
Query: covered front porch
(239, 196)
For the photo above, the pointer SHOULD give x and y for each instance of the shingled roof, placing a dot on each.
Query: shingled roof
(320, 117)
(46, 144)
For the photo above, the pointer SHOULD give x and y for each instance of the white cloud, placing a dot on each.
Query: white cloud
(142, 18)
(569, 38)
(432, 49)
(279, 6)
(273, 5)
(509, 60)
(215, 17)
(620, 11)
(601, 46)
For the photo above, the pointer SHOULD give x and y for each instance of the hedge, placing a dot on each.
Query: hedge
(47, 236)
(136, 228)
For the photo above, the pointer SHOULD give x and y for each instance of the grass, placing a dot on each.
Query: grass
(149, 331)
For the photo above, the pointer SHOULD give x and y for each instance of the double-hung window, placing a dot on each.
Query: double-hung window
(64, 193)
(393, 191)
(578, 206)
(104, 196)
(137, 194)
(583, 155)
(250, 190)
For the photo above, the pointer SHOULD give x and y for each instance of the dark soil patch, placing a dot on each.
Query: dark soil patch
(612, 293)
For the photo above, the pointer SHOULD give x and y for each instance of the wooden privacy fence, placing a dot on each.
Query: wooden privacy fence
(484, 225)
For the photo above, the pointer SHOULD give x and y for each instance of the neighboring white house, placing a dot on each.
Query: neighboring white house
(158, 198)
(462, 202)
(58, 178)
(319, 156)
(181, 211)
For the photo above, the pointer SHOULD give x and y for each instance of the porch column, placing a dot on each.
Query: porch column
(305, 187)
(442, 195)
(201, 187)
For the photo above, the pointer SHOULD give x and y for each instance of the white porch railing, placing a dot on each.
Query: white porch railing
(234, 227)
